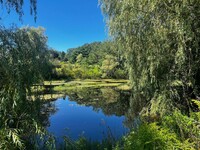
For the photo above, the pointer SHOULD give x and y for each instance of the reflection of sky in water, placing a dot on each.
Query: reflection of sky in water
(74, 120)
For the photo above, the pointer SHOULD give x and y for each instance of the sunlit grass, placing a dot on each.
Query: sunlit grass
(124, 87)
(89, 83)
(62, 86)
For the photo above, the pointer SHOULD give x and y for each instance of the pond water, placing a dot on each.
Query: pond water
(96, 114)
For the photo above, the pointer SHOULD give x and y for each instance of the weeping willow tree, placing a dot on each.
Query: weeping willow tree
(17, 6)
(161, 41)
(23, 62)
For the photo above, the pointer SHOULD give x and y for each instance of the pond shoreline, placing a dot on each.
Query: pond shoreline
(59, 88)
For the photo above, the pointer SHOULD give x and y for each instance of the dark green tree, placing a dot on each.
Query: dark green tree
(23, 63)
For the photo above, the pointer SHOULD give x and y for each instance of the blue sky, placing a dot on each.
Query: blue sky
(68, 23)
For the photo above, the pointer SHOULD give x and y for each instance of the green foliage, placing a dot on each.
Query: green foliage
(108, 66)
(22, 63)
(17, 6)
(152, 136)
(64, 71)
(160, 40)
(120, 74)
(187, 128)
(84, 144)
(92, 72)
(95, 60)
(197, 103)
(10, 139)
(85, 51)
(174, 131)
(56, 55)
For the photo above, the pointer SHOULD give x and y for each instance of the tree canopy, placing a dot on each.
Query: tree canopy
(160, 39)
(17, 6)
(94, 60)
(161, 43)
(23, 63)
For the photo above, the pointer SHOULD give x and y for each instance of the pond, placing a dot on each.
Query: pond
(94, 113)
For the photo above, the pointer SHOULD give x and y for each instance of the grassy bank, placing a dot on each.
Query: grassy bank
(62, 86)
(50, 90)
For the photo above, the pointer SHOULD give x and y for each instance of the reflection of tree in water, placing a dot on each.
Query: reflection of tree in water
(45, 106)
(109, 100)
(46, 110)
(132, 115)
(117, 101)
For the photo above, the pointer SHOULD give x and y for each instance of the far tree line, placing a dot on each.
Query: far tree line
(95, 60)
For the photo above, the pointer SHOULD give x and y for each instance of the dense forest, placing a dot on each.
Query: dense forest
(93, 61)
(155, 44)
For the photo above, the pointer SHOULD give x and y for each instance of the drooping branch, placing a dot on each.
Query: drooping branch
(17, 6)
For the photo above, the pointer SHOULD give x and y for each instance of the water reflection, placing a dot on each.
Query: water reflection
(46, 110)
(109, 100)
(93, 112)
